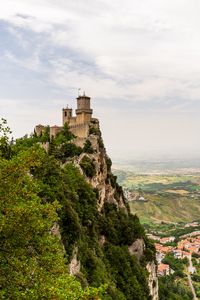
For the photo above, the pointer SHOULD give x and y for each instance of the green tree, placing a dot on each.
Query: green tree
(5, 149)
(65, 135)
(32, 259)
(87, 148)
(88, 166)
(45, 137)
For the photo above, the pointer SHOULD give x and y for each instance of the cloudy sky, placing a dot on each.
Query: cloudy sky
(139, 60)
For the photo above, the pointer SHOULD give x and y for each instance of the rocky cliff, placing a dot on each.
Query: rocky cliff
(153, 280)
(108, 191)
(103, 180)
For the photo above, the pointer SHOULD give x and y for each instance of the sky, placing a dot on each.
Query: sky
(138, 60)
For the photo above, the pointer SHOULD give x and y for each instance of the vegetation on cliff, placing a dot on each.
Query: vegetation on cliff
(38, 192)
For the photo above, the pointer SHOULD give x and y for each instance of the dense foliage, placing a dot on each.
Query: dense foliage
(87, 148)
(88, 166)
(5, 148)
(62, 146)
(37, 191)
(82, 225)
(120, 228)
(172, 289)
(32, 260)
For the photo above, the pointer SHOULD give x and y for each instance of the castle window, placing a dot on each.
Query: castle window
(65, 113)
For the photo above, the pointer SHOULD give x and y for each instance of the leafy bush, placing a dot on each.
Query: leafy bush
(88, 166)
(63, 151)
(171, 289)
(130, 278)
(100, 142)
(5, 148)
(70, 150)
(119, 227)
(87, 148)
(45, 136)
(65, 135)
(149, 251)
(108, 163)
(95, 131)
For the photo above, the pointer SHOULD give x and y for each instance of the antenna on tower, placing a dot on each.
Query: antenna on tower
(79, 89)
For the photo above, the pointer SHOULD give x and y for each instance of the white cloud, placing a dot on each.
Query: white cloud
(144, 52)
(32, 63)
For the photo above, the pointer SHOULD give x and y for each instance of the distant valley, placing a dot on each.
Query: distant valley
(167, 196)
(159, 165)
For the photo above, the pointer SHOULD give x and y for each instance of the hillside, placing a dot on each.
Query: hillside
(73, 236)
(171, 198)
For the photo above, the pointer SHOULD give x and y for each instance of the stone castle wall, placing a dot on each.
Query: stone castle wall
(78, 125)
(80, 130)
(54, 130)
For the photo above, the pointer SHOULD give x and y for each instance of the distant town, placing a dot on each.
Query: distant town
(185, 248)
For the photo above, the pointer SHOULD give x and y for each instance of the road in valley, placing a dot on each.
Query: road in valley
(190, 268)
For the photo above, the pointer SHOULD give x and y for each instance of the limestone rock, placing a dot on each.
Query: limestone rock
(137, 248)
(103, 180)
(75, 265)
(153, 280)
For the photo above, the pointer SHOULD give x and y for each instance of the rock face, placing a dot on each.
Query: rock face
(75, 265)
(137, 248)
(109, 191)
(153, 280)
(103, 180)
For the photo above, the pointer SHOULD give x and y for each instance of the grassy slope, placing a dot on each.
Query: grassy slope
(171, 208)
(171, 198)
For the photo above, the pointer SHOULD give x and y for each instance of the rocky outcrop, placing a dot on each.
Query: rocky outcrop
(137, 248)
(75, 265)
(103, 180)
(102, 240)
(55, 230)
(153, 280)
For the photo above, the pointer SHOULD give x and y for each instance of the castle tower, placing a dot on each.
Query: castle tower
(39, 129)
(83, 111)
(67, 115)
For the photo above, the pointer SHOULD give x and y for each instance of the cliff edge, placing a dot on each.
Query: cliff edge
(105, 243)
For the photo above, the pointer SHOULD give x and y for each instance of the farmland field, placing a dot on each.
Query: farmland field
(170, 198)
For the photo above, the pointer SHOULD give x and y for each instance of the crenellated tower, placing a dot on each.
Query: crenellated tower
(83, 111)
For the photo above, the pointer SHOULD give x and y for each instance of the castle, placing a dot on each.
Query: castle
(78, 125)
